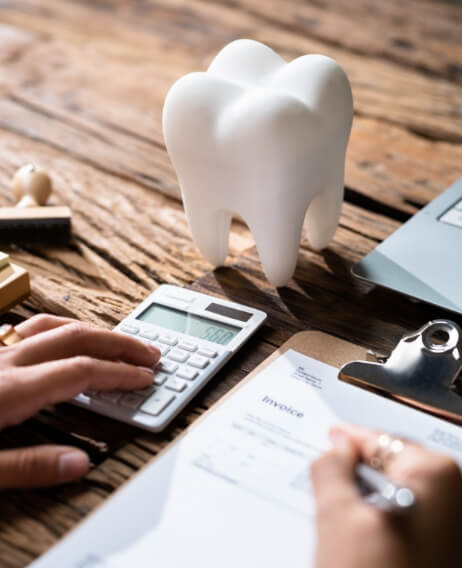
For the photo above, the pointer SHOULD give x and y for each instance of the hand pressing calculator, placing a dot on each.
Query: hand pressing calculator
(196, 334)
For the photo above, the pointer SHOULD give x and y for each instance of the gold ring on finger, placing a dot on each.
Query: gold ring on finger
(386, 448)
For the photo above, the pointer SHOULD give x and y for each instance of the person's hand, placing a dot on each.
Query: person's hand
(58, 359)
(354, 534)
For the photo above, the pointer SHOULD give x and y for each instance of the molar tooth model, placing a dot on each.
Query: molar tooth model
(264, 139)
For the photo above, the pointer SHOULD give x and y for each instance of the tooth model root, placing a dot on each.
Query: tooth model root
(209, 229)
(277, 232)
(324, 211)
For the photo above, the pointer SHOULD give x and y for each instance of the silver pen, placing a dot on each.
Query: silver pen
(383, 493)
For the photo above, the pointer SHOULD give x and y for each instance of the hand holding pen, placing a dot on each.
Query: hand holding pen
(352, 533)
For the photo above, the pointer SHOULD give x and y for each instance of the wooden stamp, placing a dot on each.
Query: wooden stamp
(14, 283)
(31, 220)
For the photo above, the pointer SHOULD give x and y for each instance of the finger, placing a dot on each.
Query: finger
(26, 390)
(80, 339)
(40, 466)
(41, 323)
(333, 475)
(412, 462)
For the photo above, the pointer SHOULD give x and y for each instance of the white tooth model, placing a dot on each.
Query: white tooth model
(264, 139)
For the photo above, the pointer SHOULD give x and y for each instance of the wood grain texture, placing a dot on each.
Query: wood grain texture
(96, 86)
(81, 92)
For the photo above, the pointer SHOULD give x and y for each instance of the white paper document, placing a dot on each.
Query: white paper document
(235, 491)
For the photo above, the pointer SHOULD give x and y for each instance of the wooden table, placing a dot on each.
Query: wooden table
(81, 91)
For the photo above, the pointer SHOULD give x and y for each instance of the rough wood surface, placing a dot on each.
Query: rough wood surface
(81, 92)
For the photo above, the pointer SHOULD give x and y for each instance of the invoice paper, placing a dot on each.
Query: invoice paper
(235, 490)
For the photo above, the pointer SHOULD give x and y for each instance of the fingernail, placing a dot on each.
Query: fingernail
(73, 464)
(339, 439)
(148, 370)
(155, 350)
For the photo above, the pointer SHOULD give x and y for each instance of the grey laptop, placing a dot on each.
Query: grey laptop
(423, 258)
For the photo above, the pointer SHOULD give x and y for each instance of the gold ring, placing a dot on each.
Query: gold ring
(386, 448)
(8, 335)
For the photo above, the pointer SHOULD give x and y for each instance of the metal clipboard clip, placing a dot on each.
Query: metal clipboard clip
(422, 370)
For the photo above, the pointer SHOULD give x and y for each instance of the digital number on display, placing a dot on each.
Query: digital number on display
(217, 335)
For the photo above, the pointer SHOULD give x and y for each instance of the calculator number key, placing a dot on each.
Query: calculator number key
(110, 396)
(178, 355)
(131, 400)
(164, 349)
(160, 379)
(167, 366)
(147, 390)
(157, 402)
(151, 335)
(175, 384)
(188, 346)
(198, 361)
(131, 329)
(187, 373)
(168, 339)
(206, 352)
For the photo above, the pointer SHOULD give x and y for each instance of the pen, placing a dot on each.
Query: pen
(378, 490)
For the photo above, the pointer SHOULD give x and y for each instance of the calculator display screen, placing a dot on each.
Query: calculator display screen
(190, 324)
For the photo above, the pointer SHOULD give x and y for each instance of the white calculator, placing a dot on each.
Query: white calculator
(195, 333)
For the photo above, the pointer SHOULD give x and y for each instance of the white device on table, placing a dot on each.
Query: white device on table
(195, 333)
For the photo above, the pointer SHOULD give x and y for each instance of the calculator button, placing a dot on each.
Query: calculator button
(188, 346)
(110, 396)
(160, 379)
(167, 367)
(207, 352)
(151, 335)
(198, 361)
(146, 391)
(164, 349)
(177, 355)
(168, 340)
(175, 384)
(187, 373)
(157, 402)
(129, 329)
(131, 400)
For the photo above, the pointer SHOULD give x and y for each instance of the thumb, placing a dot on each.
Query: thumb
(333, 474)
(40, 466)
